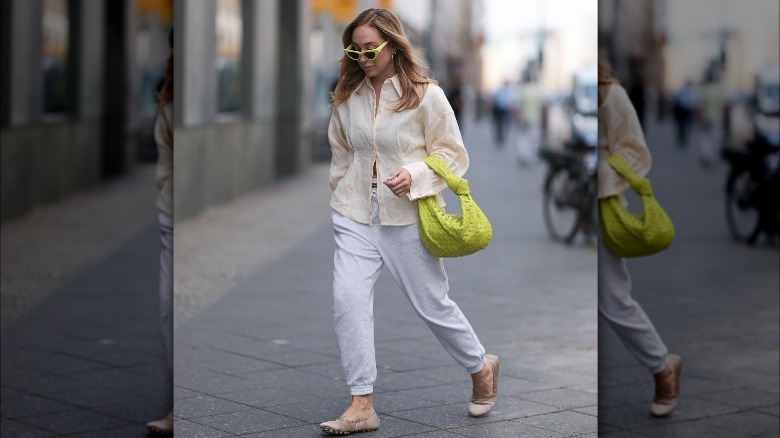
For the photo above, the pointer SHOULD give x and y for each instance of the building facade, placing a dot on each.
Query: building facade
(78, 86)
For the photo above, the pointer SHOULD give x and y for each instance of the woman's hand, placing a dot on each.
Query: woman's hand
(400, 182)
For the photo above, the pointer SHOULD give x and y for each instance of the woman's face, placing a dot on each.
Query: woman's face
(367, 37)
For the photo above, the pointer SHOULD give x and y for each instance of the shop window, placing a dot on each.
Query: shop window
(56, 29)
(229, 28)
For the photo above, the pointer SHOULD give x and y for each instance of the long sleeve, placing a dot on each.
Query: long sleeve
(624, 137)
(163, 137)
(339, 150)
(442, 138)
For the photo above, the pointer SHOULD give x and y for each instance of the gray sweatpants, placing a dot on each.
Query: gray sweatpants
(624, 314)
(361, 251)
(166, 284)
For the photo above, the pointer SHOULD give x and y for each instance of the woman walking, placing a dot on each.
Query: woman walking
(388, 115)
(621, 133)
(163, 136)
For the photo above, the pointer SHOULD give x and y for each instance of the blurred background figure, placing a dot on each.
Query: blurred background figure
(503, 107)
(711, 102)
(163, 136)
(456, 97)
(529, 117)
(685, 106)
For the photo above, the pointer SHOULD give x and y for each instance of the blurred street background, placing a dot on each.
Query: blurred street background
(704, 80)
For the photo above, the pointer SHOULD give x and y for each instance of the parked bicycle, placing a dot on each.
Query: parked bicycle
(752, 196)
(753, 183)
(570, 189)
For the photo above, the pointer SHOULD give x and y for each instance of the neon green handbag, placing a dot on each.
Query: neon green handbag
(452, 235)
(631, 235)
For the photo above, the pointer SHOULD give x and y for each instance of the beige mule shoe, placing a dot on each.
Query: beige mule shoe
(667, 387)
(346, 427)
(162, 427)
(481, 404)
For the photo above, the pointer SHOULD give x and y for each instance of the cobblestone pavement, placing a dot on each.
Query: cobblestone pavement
(714, 302)
(262, 359)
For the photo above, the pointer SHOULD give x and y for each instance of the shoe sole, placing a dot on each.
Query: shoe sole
(333, 431)
(159, 432)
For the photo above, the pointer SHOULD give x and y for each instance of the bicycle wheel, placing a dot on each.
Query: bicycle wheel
(561, 215)
(742, 214)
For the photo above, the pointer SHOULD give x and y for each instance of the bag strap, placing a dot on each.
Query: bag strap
(457, 184)
(621, 166)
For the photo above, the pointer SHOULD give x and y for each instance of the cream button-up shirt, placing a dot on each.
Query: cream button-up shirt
(619, 133)
(358, 136)
(163, 137)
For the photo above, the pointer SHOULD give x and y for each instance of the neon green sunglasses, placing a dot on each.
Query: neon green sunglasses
(370, 54)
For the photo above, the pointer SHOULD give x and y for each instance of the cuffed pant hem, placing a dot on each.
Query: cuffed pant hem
(659, 368)
(362, 390)
(478, 368)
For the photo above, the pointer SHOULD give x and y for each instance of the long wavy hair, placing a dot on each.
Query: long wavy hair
(166, 90)
(410, 70)
(605, 80)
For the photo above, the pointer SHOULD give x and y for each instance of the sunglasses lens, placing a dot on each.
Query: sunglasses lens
(353, 56)
(370, 55)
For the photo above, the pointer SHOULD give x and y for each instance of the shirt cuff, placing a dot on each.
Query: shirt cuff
(421, 182)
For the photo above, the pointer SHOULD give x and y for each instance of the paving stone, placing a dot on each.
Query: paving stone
(13, 428)
(307, 431)
(94, 397)
(195, 430)
(686, 428)
(389, 402)
(245, 422)
(77, 421)
(437, 434)
(506, 429)
(743, 397)
(32, 406)
(135, 431)
(442, 417)
(266, 397)
(564, 422)
(746, 423)
(563, 398)
(204, 405)
(314, 412)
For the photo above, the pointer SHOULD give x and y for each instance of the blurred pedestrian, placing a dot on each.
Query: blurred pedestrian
(456, 99)
(388, 115)
(710, 137)
(623, 136)
(684, 110)
(503, 101)
(529, 120)
(163, 136)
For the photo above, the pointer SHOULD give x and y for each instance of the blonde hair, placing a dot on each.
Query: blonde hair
(410, 70)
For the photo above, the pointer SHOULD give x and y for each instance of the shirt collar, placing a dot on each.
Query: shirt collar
(396, 83)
